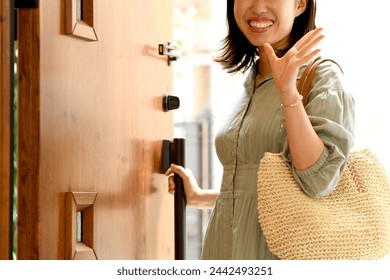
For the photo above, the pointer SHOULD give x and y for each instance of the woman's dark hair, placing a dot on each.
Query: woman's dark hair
(238, 54)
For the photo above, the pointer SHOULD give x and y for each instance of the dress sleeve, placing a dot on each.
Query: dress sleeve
(331, 110)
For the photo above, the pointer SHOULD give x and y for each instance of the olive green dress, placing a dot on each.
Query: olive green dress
(256, 126)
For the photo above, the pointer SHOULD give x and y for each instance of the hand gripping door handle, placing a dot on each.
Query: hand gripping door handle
(174, 152)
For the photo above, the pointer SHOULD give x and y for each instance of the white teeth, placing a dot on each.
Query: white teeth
(257, 24)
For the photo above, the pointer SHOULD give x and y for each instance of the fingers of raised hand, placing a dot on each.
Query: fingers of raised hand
(269, 51)
(311, 39)
(305, 49)
(306, 46)
(310, 46)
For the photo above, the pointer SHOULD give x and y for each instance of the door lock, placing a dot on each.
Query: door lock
(170, 102)
(169, 50)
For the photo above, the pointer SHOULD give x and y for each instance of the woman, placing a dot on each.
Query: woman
(274, 40)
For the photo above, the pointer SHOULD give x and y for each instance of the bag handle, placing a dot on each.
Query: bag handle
(304, 83)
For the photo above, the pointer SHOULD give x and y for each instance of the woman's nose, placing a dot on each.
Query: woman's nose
(260, 6)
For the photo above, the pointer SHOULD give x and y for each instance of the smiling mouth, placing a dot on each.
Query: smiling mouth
(261, 24)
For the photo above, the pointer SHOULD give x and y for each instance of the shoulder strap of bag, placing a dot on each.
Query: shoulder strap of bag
(304, 83)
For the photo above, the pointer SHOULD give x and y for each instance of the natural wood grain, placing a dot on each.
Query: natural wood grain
(99, 129)
(5, 130)
(28, 134)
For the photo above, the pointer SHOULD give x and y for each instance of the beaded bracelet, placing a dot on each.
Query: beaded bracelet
(300, 97)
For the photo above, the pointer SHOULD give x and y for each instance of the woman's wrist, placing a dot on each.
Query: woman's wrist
(203, 198)
(292, 105)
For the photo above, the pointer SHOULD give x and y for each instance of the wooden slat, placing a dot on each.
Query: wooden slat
(28, 152)
(5, 151)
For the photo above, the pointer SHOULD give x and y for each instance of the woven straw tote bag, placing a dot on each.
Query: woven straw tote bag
(352, 223)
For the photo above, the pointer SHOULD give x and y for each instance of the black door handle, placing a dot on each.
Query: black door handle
(174, 152)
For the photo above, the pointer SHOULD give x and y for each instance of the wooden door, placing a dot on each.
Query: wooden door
(91, 129)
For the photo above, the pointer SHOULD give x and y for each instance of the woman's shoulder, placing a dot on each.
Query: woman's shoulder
(330, 76)
(327, 68)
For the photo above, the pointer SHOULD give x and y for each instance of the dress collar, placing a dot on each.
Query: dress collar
(249, 82)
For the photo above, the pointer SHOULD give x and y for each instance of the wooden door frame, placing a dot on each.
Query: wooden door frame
(6, 88)
(28, 133)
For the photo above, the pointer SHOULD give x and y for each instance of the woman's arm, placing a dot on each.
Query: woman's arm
(195, 196)
(305, 145)
(320, 136)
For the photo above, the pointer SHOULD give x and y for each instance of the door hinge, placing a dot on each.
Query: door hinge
(26, 4)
